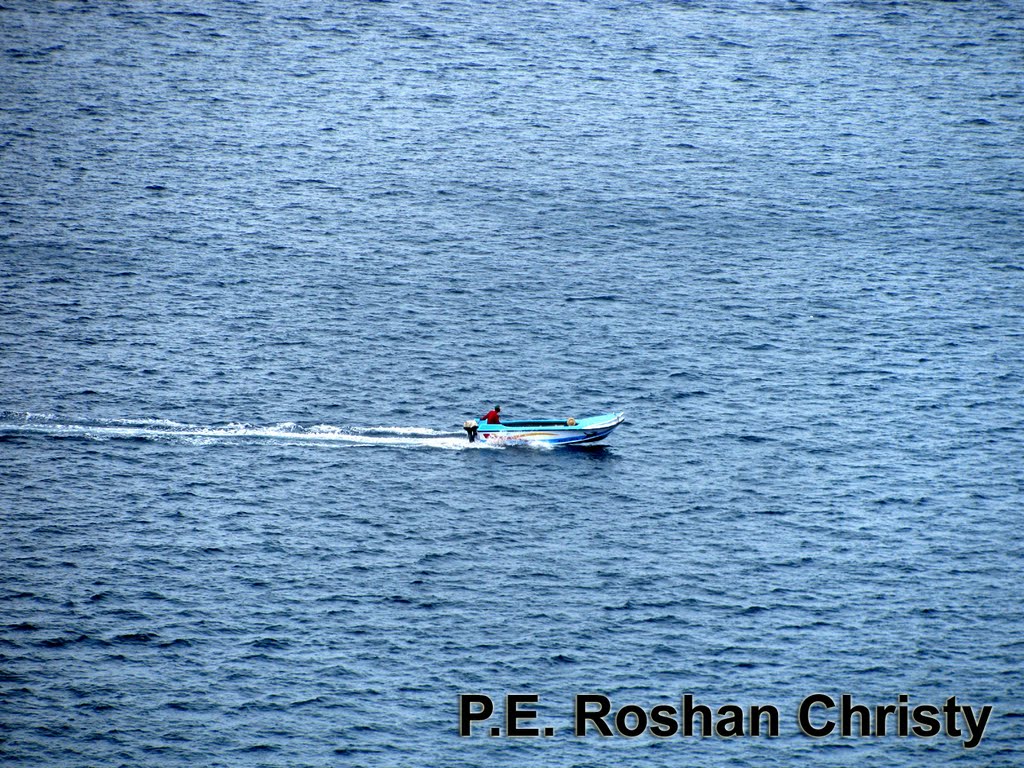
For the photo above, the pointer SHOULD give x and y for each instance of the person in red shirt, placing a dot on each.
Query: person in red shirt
(493, 416)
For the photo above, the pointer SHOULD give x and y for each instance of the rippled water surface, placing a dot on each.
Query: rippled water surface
(259, 261)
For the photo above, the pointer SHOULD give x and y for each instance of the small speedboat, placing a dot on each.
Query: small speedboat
(545, 431)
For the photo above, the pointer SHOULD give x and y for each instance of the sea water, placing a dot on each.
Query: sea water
(259, 261)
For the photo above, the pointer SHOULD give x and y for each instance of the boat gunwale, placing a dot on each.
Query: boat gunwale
(600, 422)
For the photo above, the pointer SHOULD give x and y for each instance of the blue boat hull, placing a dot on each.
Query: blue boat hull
(551, 431)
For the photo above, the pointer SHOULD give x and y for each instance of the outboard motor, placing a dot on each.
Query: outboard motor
(471, 428)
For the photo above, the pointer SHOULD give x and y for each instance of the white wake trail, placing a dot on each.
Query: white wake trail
(48, 425)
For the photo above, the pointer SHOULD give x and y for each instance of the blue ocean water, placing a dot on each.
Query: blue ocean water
(258, 262)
